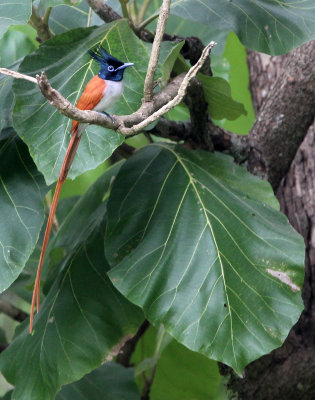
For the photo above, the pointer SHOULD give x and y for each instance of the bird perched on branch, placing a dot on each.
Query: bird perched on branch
(100, 93)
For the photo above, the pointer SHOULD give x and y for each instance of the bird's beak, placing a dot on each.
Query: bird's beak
(124, 66)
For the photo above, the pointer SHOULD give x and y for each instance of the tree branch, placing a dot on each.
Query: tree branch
(41, 25)
(281, 124)
(223, 141)
(17, 75)
(176, 100)
(127, 350)
(106, 13)
(161, 103)
(12, 311)
(155, 52)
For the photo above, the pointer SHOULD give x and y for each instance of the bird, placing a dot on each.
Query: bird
(100, 93)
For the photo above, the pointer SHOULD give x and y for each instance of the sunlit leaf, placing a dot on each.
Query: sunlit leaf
(190, 241)
(238, 77)
(217, 93)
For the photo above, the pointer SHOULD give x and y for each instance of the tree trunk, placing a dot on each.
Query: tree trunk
(288, 372)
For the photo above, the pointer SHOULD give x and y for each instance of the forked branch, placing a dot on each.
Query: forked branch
(148, 112)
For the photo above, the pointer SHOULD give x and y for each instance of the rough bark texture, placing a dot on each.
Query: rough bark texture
(287, 373)
(284, 116)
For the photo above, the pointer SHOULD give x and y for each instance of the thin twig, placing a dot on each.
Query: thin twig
(177, 99)
(12, 311)
(17, 75)
(146, 22)
(155, 52)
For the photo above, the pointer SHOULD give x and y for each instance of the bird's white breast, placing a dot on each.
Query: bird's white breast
(111, 95)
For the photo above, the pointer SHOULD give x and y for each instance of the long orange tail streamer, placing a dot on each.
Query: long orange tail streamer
(90, 97)
(71, 151)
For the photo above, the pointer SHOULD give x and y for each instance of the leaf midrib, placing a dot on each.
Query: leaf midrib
(192, 183)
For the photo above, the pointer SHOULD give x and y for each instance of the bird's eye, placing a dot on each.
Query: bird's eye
(110, 68)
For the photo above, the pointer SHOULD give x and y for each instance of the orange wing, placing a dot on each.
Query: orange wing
(90, 97)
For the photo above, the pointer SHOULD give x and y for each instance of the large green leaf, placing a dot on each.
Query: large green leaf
(109, 382)
(81, 304)
(69, 68)
(13, 12)
(190, 242)
(268, 26)
(22, 190)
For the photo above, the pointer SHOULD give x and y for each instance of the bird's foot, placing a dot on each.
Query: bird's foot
(108, 115)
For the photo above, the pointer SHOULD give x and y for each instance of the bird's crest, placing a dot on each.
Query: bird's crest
(104, 58)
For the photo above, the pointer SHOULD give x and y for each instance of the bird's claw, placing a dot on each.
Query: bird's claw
(108, 116)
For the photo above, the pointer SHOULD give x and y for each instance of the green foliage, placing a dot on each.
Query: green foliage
(12, 13)
(187, 239)
(6, 99)
(268, 26)
(14, 45)
(179, 372)
(109, 382)
(235, 57)
(218, 96)
(22, 190)
(63, 18)
(45, 130)
(78, 325)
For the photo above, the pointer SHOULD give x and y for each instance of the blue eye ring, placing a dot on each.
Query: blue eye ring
(110, 68)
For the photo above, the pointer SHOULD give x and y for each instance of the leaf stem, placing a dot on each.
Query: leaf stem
(135, 7)
(89, 17)
(143, 10)
(124, 8)
(147, 21)
(47, 15)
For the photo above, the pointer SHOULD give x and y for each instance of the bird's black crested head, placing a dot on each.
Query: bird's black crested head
(111, 68)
